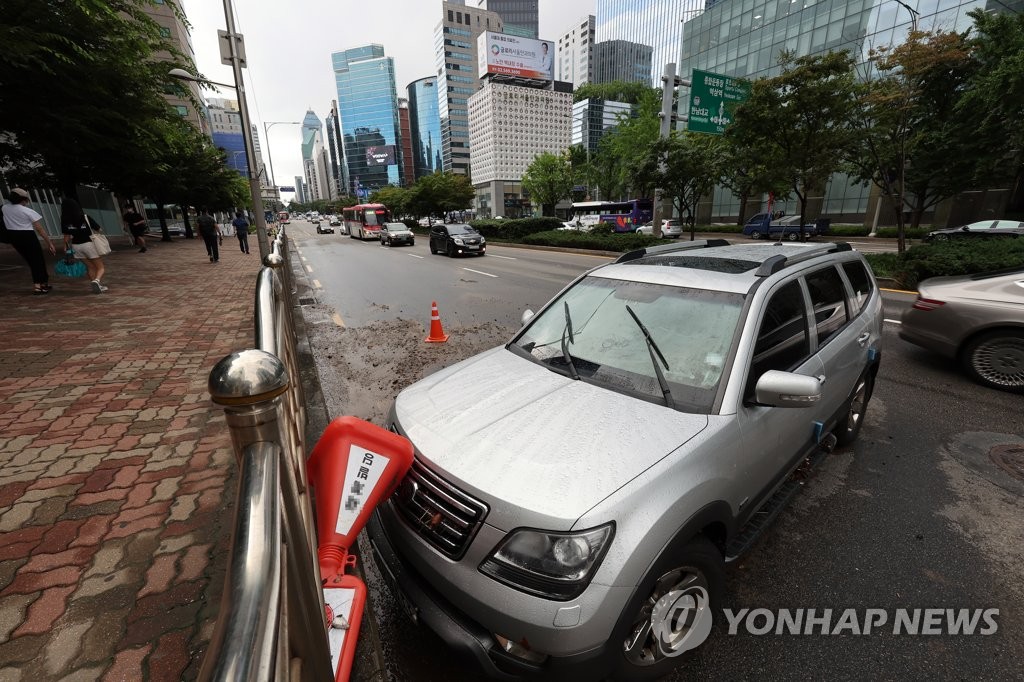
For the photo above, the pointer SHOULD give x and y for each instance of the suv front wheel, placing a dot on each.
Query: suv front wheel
(670, 613)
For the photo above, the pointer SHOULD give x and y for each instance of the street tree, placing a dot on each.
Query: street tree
(799, 120)
(745, 172)
(395, 198)
(439, 194)
(83, 88)
(690, 170)
(622, 161)
(548, 180)
(614, 91)
(910, 142)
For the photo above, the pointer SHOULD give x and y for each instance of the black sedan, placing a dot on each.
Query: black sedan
(396, 233)
(457, 240)
(983, 228)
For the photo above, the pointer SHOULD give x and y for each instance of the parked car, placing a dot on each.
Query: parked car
(456, 240)
(787, 227)
(670, 228)
(982, 228)
(577, 492)
(425, 222)
(173, 229)
(976, 320)
(396, 233)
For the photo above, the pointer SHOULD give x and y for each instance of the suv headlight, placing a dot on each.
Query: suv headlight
(457, 240)
(556, 566)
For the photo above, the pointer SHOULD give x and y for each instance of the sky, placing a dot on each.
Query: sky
(288, 49)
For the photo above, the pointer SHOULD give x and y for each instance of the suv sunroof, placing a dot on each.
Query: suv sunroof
(729, 266)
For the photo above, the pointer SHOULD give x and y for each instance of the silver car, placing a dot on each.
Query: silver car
(576, 493)
(977, 320)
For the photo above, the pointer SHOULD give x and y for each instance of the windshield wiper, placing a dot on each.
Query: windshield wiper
(572, 339)
(653, 349)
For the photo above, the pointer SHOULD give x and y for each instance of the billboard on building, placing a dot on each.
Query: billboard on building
(507, 55)
(381, 155)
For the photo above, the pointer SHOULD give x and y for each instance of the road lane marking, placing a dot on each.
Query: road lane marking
(505, 257)
(486, 274)
(316, 283)
(891, 321)
(309, 268)
(337, 320)
(413, 255)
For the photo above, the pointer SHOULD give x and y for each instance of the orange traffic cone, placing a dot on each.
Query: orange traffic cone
(437, 334)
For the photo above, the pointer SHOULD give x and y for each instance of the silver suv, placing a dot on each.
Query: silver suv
(577, 492)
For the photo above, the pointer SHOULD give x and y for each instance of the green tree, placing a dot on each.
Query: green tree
(440, 193)
(799, 121)
(744, 171)
(395, 198)
(615, 91)
(83, 90)
(548, 180)
(690, 170)
(621, 167)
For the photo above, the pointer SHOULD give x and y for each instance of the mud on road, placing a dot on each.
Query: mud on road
(362, 369)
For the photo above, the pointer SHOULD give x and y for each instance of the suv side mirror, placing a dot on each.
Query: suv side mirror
(786, 389)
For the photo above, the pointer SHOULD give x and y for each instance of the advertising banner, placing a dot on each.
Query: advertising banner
(509, 55)
(381, 155)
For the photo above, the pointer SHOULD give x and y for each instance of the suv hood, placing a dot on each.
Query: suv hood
(539, 448)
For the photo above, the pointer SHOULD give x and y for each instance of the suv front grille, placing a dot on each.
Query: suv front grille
(439, 512)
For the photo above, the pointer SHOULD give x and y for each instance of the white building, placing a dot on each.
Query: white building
(509, 125)
(574, 56)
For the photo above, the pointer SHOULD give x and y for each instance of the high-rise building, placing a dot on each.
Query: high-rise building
(622, 60)
(520, 17)
(509, 126)
(408, 172)
(338, 170)
(225, 124)
(657, 23)
(744, 39)
(368, 106)
(426, 126)
(456, 62)
(300, 189)
(592, 119)
(174, 27)
(574, 58)
(268, 191)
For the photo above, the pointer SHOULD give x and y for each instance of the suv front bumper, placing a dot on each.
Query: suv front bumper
(426, 605)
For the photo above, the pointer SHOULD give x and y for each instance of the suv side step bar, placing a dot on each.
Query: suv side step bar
(762, 519)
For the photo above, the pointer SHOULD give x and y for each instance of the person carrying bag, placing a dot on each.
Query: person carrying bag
(88, 243)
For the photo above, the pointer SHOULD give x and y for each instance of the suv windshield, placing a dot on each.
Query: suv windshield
(461, 229)
(693, 329)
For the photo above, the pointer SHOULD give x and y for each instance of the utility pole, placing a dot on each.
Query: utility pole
(255, 190)
(669, 85)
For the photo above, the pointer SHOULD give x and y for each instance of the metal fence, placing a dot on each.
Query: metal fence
(271, 620)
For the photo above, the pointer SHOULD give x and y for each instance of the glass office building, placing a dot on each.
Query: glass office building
(521, 17)
(593, 118)
(425, 120)
(657, 23)
(368, 108)
(622, 60)
(743, 38)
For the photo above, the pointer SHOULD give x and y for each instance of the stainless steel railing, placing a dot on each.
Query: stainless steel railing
(271, 621)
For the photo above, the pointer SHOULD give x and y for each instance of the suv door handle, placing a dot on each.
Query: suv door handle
(864, 338)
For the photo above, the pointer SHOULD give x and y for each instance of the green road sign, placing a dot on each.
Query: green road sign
(713, 100)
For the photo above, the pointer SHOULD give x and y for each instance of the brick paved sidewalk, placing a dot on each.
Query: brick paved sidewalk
(116, 473)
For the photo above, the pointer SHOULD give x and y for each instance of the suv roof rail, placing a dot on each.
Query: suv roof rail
(670, 248)
(777, 262)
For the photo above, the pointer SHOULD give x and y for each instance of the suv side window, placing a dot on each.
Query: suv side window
(828, 300)
(783, 341)
(860, 282)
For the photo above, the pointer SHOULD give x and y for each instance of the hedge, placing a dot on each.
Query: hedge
(590, 240)
(962, 257)
(514, 229)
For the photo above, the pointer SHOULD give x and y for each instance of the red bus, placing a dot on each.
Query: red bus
(364, 220)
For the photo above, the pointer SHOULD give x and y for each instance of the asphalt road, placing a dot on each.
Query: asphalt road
(913, 516)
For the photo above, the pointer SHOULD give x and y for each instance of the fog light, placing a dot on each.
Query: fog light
(520, 651)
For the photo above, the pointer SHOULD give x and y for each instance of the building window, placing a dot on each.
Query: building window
(165, 32)
(451, 16)
(182, 110)
(458, 17)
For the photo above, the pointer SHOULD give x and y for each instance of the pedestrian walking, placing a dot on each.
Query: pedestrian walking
(208, 231)
(136, 225)
(78, 230)
(23, 224)
(241, 226)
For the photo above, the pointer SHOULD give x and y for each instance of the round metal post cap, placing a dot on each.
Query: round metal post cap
(247, 377)
(273, 260)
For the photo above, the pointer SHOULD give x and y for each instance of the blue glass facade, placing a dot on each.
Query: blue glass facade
(234, 151)
(744, 38)
(368, 107)
(425, 120)
(657, 23)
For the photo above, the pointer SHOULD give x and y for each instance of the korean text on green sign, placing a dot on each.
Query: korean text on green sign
(713, 101)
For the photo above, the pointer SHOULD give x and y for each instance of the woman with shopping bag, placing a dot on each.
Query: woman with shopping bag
(84, 237)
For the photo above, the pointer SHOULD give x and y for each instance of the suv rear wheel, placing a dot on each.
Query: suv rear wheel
(847, 430)
(670, 613)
